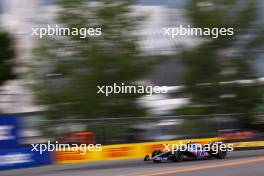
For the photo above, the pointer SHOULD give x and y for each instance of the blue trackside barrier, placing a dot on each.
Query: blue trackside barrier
(12, 154)
(23, 157)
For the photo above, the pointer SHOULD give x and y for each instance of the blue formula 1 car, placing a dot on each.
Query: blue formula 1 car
(191, 151)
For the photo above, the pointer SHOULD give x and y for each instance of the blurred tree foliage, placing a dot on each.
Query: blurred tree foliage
(69, 69)
(7, 53)
(224, 59)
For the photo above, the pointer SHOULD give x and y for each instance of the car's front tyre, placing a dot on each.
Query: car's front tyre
(155, 153)
(177, 156)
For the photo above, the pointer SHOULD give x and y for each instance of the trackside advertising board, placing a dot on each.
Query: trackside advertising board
(118, 152)
(22, 157)
(9, 131)
(12, 156)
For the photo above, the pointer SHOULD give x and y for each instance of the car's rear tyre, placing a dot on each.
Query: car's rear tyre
(177, 156)
(221, 154)
(221, 151)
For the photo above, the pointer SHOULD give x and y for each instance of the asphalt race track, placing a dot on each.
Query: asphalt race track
(240, 163)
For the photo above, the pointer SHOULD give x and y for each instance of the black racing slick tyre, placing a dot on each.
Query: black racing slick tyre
(177, 156)
(221, 154)
(218, 151)
(155, 152)
(146, 158)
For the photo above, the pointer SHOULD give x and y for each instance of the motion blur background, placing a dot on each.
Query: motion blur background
(50, 84)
